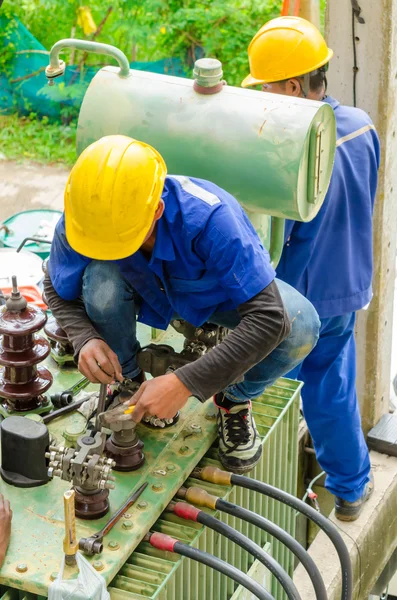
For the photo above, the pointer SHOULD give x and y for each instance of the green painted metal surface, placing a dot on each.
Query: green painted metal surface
(37, 531)
(149, 573)
(30, 223)
(273, 153)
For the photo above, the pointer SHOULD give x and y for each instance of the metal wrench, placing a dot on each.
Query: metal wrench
(93, 544)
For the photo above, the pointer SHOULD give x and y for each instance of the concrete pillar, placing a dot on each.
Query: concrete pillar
(310, 10)
(376, 93)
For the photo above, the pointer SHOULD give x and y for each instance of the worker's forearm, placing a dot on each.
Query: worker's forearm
(71, 316)
(264, 325)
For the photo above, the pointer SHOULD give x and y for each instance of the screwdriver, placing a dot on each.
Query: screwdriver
(70, 543)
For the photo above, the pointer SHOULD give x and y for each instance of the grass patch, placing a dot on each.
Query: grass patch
(40, 140)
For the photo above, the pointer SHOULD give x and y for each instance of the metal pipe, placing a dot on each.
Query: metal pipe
(95, 47)
(276, 240)
(101, 405)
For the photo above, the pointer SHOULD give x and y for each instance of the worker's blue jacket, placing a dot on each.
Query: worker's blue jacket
(207, 258)
(329, 260)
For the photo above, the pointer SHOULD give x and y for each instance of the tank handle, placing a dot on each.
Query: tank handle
(57, 66)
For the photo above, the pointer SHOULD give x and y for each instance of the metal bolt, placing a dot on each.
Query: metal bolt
(196, 428)
(157, 487)
(170, 468)
(142, 505)
(53, 576)
(98, 565)
(127, 515)
(113, 546)
(128, 524)
(22, 568)
(184, 449)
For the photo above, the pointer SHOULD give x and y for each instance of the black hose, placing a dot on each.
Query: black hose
(283, 537)
(223, 567)
(256, 551)
(322, 522)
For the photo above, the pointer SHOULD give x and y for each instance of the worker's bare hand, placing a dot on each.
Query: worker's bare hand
(99, 363)
(162, 396)
(5, 526)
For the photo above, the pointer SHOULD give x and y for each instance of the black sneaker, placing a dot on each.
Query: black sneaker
(350, 511)
(240, 447)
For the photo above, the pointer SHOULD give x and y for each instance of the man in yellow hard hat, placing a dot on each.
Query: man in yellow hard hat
(329, 260)
(136, 244)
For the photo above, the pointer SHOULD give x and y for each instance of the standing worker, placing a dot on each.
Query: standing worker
(135, 242)
(329, 260)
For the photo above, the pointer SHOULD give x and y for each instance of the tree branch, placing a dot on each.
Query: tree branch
(28, 76)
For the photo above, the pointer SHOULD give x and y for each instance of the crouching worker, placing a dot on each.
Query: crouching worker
(134, 244)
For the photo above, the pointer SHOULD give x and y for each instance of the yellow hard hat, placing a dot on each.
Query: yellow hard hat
(111, 197)
(283, 48)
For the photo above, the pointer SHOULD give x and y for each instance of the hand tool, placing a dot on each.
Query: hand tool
(70, 544)
(93, 544)
(64, 398)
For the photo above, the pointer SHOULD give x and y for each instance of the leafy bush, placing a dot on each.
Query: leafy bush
(30, 138)
(155, 29)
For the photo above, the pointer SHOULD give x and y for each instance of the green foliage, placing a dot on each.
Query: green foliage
(30, 138)
(156, 29)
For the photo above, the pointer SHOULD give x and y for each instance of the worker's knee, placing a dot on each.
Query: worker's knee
(305, 323)
(103, 288)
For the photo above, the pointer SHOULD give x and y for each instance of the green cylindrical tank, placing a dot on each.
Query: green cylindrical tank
(273, 153)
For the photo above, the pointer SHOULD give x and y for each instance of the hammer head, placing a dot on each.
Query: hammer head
(91, 546)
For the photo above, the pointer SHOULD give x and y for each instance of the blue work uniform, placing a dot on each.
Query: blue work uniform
(207, 260)
(329, 260)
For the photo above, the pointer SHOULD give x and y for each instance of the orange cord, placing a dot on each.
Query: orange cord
(285, 8)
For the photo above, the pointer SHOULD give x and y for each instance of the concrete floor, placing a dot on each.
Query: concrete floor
(27, 186)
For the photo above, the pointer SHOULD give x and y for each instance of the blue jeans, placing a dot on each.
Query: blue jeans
(110, 304)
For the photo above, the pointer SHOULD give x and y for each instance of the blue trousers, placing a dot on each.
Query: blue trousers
(331, 408)
(110, 301)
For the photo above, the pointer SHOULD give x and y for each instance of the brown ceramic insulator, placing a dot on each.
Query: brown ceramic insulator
(56, 335)
(91, 506)
(55, 332)
(127, 458)
(22, 382)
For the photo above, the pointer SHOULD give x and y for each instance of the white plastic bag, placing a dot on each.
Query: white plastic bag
(88, 585)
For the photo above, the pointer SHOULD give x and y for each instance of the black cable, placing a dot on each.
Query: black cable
(257, 552)
(32, 239)
(322, 522)
(356, 14)
(282, 536)
(355, 67)
(223, 567)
